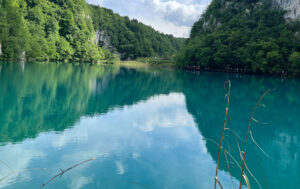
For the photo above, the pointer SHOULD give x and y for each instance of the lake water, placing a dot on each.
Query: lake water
(147, 128)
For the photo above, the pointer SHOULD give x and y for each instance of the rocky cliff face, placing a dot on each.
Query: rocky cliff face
(291, 6)
(23, 57)
(103, 39)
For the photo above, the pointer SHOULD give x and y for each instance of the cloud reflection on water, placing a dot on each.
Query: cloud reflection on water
(156, 137)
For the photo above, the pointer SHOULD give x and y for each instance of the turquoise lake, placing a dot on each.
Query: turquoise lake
(147, 128)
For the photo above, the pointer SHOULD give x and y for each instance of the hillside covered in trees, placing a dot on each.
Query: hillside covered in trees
(65, 30)
(132, 38)
(249, 36)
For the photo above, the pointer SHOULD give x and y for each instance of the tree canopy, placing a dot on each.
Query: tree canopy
(250, 35)
(64, 30)
(131, 38)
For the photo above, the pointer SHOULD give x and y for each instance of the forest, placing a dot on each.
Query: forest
(64, 30)
(132, 38)
(248, 36)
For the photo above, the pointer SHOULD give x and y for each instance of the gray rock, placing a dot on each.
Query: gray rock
(23, 57)
(103, 39)
(0, 49)
(291, 6)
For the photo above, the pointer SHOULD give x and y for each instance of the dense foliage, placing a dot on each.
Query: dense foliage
(131, 38)
(47, 30)
(251, 35)
(63, 30)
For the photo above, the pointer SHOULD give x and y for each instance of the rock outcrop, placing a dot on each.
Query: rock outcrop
(291, 6)
(23, 56)
(0, 49)
(103, 40)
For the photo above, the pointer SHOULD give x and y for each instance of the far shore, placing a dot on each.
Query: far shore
(137, 64)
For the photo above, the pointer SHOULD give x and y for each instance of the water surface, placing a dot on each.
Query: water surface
(147, 128)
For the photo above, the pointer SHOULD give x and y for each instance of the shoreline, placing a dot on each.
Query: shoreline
(284, 75)
(172, 66)
(137, 64)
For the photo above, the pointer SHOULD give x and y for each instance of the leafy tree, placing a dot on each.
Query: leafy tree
(295, 60)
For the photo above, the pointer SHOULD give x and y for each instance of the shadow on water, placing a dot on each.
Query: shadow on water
(39, 98)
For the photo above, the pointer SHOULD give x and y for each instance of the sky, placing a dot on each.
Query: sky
(168, 16)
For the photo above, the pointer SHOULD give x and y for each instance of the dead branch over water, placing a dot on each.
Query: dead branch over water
(222, 136)
(248, 131)
(242, 153)
(64, 171)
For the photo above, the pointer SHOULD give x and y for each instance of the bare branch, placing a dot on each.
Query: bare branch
(223, 130)
(228, 167)
(259, 122)
(64, 171)
(259, 146)
(218, 181)
(248, 130)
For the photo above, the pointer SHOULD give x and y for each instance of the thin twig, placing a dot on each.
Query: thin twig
(241, 156)
(229, 154)
(218, 181)
(254, 141)
(259, 146)
(237, 137)
(247, 181)
(234, 160)
(228, 167)
(235, 134)
(228, 145)
(259, 122)
(222, 136)
(248, 130)
(64, 171)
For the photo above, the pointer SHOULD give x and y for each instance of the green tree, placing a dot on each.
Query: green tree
(295, 60)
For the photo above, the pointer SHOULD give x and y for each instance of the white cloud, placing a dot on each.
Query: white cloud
(112, 139)
(15, 160)
(162, 111)
(178, 13)
(79, 182)
(168, 16)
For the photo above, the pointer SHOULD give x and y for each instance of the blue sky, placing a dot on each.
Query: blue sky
(168, 16)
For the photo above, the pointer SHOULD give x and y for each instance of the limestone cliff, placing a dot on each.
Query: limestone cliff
(212, 20)
(103, 39)
(291, 6)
